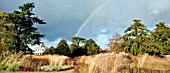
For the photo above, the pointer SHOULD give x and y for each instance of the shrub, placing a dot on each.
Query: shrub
(11, 62)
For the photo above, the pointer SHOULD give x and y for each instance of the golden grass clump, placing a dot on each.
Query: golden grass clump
(167, 57)
(56, 60)
(122, 63)
(32, 62)
(157, 63)
(140, 60)
(108, 62)
(45, 62)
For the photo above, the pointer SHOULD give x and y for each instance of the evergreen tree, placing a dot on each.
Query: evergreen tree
(135, 38)
(161, 39)
(23, 22)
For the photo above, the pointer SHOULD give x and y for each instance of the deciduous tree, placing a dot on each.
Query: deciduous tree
(6, 33)
(92, 47)
(63, 48)
(114, 42)
(78, 40)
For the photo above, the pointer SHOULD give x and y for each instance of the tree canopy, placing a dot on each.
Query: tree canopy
(23, 22)
(114, 42)
(63, 48)
(78, 40)
(92, 47)
(161, 38)
(6, 33)
(88, 47)
(135, 38)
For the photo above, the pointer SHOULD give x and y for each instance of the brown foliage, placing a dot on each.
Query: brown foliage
(113, 43)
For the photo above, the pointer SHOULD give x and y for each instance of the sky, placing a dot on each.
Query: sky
(96, 19)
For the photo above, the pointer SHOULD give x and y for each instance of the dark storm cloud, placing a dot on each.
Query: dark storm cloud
(64, 17)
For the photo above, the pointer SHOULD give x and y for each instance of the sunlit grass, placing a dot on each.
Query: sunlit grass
(45, 62)
(11, 62)
(105, 63)
(156, 63)
(108, 62)
(121, 62)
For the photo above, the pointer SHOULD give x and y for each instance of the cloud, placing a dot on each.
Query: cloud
(102, 40)
(115, 17)
(64, 17)
(157, 7)
(35, 47)
(103, 30)
(51, 43)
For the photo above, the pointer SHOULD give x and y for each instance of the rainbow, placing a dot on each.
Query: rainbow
(90, 16)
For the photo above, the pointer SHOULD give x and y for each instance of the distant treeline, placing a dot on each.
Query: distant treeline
(87, 47)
